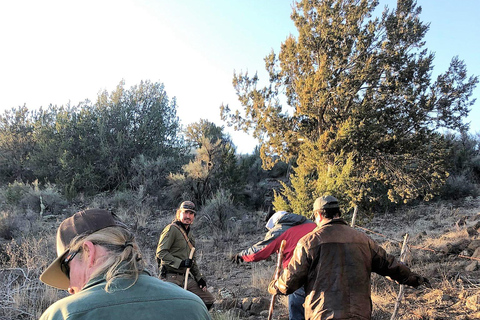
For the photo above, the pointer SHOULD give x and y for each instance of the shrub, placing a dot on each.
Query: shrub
(219, 210)
(14, 192)
(459, 186)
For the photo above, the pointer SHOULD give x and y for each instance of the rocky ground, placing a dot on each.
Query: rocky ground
(444, 245)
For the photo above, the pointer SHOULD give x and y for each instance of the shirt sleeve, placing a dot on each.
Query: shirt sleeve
(295, 275)
(263, 249)
(386, 265)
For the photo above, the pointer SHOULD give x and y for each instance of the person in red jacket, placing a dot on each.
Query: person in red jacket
(286, 226)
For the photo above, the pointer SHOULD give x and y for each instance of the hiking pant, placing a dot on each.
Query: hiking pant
(192, 286)
(296, 311)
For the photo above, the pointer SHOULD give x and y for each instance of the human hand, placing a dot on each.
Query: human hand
(416, 280)
(202, 284)
(272, 287)
(187, 263)
(236, 259)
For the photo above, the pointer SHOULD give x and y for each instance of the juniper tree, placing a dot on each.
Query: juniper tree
(351, 99)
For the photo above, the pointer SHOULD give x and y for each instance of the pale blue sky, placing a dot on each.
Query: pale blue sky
(56, 51)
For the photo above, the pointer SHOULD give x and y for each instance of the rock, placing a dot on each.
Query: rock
(473, 302)
(445, 297)
(226, 294)
(461, 221)
(477, 225)
(225, 304)
(472, 266)
(264, 313)
(472, 231)
(476, 253)
(246, 304)
(474, 244)
(258, 305)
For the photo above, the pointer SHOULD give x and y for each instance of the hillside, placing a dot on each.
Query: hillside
(443, 238)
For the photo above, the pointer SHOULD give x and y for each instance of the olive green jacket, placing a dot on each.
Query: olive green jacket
(173, 248)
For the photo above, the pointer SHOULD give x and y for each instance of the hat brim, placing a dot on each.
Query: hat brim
(54, 276)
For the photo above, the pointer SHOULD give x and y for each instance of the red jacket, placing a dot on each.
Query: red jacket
(291, 227)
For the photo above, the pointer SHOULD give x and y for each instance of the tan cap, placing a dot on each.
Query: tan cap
(82, 222)
(325, 202)
(187, 206)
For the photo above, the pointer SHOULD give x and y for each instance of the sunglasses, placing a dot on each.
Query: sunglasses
(64, 264)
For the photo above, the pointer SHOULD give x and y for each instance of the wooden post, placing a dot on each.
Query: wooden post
(354, 217)
(403, 254)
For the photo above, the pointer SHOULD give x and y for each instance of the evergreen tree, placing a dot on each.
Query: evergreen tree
(362, 111)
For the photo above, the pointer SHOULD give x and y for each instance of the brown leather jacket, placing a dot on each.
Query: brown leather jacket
(334, 262)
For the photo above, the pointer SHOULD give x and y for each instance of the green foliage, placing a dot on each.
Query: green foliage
(43, 200)
(89, 148)
(219, 210)
(152, 177)
(16, 144)
(214, 165)
(15, 192)
(280, 204)
(463, 161)
(361, 108)
(459, 186)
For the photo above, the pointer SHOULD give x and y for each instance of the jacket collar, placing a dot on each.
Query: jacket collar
(179, 223)
(332, 221)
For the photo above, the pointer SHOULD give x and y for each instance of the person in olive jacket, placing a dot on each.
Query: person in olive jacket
(334, 262)
(173, 251)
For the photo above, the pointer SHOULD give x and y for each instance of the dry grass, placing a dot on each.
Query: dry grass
(434, 227)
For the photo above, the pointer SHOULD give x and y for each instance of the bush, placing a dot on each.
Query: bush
(14, 192)
(22, 196)
(219, 211)
(459, 186)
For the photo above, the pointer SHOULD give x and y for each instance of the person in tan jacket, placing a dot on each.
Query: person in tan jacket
(334, 262)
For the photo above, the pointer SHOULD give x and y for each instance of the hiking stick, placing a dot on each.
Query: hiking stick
(188, 269)
(277, 274)
(403, 254)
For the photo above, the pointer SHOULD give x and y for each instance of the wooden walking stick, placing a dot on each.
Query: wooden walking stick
(403, 254)
(188, 269)
(277, 274)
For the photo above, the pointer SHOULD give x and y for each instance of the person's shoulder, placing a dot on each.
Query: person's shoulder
(57, 309)
(170, 228)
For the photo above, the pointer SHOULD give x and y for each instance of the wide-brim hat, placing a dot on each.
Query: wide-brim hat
(82, 222)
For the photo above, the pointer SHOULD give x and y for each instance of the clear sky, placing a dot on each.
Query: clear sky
(61, 51)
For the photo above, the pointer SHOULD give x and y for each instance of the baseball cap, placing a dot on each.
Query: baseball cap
(82, 222)
(325, 202)
(187, 206)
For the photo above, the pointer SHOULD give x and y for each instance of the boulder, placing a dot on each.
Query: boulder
(258, 305)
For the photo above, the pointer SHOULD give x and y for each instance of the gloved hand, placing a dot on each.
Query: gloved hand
(272, 287)
(201, 283)
(416, 280)
(187, 263)
(236, 259)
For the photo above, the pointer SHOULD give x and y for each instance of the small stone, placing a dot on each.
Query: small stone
(472, 266)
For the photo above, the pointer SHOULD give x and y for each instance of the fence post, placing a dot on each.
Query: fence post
(403, 254)
(355, 210)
